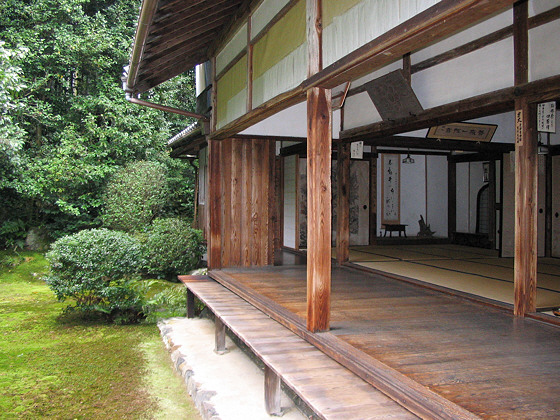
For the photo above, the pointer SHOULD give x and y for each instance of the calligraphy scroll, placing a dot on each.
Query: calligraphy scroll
(390, 201)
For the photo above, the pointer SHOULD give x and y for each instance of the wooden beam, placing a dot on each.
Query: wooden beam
(319, 139)
(214, 206)
(343, 203)
(526, 174)
(477, 106)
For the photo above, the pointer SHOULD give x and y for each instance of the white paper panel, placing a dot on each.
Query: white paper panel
(236, 107)
(285, 75)
(365, 22)
(232, 49)
(265, 13)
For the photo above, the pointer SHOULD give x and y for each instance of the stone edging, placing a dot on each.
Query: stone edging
(200, 397)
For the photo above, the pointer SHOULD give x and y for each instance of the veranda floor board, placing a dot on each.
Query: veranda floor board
(481, 358)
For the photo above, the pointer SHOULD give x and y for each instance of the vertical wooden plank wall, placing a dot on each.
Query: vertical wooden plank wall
(526, 175)
(240, 189)
(319, 143)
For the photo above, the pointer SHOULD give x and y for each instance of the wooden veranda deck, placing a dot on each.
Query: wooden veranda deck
(418, 345)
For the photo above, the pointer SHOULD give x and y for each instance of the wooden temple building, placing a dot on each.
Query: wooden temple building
(380, 179)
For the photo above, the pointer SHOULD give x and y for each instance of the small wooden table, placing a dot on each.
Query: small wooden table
(394, 227)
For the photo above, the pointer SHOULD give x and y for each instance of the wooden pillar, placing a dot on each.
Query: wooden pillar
(492, 202)
(343, 203)
(451, 198)
(548, 203)
(526, 175)
(214, 206)
(373, 199)
(272, 392)
(319, 138)
(220, 336)
(526, 178)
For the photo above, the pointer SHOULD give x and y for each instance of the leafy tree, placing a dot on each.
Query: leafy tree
(72, 128)
(135, 196)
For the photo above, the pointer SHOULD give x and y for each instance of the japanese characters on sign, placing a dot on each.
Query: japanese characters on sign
(519, 127)
(546, 117)
(357, 150)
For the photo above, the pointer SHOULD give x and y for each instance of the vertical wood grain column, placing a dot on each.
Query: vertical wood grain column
(526, 175)
(492, 203)
(319, 137)
(343, 203)
(526, 178)
(214, 206)
(373, 199)
(451, 198)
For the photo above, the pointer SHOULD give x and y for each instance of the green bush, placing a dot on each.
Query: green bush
(95, 268)
(171, 247)
(135, 196)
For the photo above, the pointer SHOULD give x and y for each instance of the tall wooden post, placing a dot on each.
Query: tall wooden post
(319, 137)
(343, 203)
(526, 176)
(451, 198)
(492, 203)
(373, 198)
(214, 206)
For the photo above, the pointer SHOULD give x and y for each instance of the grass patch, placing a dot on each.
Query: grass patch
(62, 367)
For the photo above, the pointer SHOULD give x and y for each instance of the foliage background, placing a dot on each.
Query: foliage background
(66, 126)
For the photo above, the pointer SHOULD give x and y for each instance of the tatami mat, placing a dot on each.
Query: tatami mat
(470, 270)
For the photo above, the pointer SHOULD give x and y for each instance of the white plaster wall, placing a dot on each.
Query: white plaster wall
(470, 34)
(413, 193)
(543, 51)
(436, 180)
(478, 72)
(463, 198)
(291, 122)
(290, 201)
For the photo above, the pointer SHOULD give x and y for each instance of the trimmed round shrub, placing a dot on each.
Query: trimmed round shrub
(95, 268)
(172, 247)
(135, 196)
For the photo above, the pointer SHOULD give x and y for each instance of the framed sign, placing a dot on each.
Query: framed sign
(390, 188)
(357, 150)
(546, 117)
(463, 131)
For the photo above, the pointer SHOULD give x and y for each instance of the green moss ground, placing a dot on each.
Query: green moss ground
(56, 367)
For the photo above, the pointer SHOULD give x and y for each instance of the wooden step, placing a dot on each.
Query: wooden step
(328, 388)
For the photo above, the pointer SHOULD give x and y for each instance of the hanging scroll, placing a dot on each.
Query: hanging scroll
(390, 203)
